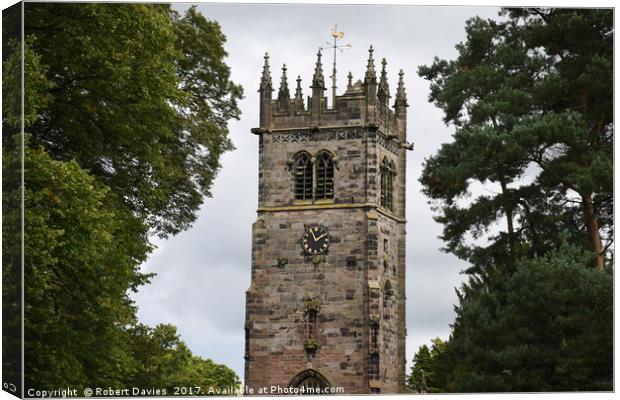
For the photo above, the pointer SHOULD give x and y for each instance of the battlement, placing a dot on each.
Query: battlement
(364, 103)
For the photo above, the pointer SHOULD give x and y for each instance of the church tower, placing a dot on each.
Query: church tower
(326, 304)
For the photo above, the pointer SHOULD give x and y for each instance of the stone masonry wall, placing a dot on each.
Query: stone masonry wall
(367, 247)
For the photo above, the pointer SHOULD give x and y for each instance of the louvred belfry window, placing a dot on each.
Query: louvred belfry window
(303, 177)
(324, 177)
(388, 171)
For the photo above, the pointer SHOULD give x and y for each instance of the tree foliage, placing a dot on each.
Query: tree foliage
(125, 113)
(422, 377)
(522, 134)
(164, 361)
(140, 97)
(549, 327)
(529, 171)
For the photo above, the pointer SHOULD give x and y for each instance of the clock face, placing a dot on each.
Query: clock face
(315, 240)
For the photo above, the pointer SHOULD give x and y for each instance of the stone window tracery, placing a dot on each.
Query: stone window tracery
(387, 172)
(303, 176)
(313, 177)
(324, 176)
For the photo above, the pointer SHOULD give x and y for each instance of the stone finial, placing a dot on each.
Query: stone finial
(318, 81)
(384, 89)
(401, 96)
(283, 93)
(299, 97)
(371, 76)
(350, 82)
(265, 80)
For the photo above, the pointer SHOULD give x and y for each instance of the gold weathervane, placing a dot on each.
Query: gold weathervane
(336, 34)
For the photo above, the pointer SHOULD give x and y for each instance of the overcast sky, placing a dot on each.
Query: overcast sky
(202, 274)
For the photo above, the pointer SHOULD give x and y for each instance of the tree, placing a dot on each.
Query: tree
(513, 104)
(531, 101)
(164, 361)
(80, 263)
(125, 118)
(549, 328)
(140, 98)
(422, 377)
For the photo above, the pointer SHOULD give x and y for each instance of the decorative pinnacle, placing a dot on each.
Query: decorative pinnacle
(265, 80)
(401, 96)
(371, 76)
(350, 78)
(383, 84)
(299, 98)
(298, 94)
(283, 93)
(318, 81)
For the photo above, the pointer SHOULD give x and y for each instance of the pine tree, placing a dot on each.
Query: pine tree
(530, 97)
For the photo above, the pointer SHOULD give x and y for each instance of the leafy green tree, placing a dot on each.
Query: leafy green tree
(140, 97)
(125, 112)
(548, 328)
(164, 361)
(422, 376)
(80, 264)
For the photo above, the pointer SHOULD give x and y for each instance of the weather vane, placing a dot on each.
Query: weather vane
(336, 35)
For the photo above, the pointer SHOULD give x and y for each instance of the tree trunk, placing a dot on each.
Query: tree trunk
(593, 231)
(511, 230)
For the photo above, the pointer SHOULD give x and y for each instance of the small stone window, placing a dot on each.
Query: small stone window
(303, 177)
(387, 299)
(374, 336)
(311, 324)
(247, 343)
(311, 344)
(388, 172)
(374, 366)
(324, 176)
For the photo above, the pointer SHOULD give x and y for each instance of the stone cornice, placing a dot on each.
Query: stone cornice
(328, 206)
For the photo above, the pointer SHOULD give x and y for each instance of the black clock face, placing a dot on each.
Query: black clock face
(315, 240)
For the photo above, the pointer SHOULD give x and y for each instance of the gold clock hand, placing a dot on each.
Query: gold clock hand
(311, 232)
(320, 237)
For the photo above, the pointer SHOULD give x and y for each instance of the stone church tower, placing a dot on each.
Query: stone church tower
(326, 306)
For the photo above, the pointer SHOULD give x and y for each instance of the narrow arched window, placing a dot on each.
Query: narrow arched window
(387, 171)
(387, 298)
(324, 176)
(311, 324)
(374, 367)
(247, 343)
(303, 177)
(374, 337)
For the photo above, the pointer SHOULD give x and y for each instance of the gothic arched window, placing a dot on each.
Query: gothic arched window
(324, 176)
(387, 171)
(303, 177)
(310, 379)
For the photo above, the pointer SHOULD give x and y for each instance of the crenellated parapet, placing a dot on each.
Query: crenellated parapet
(365, 102)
